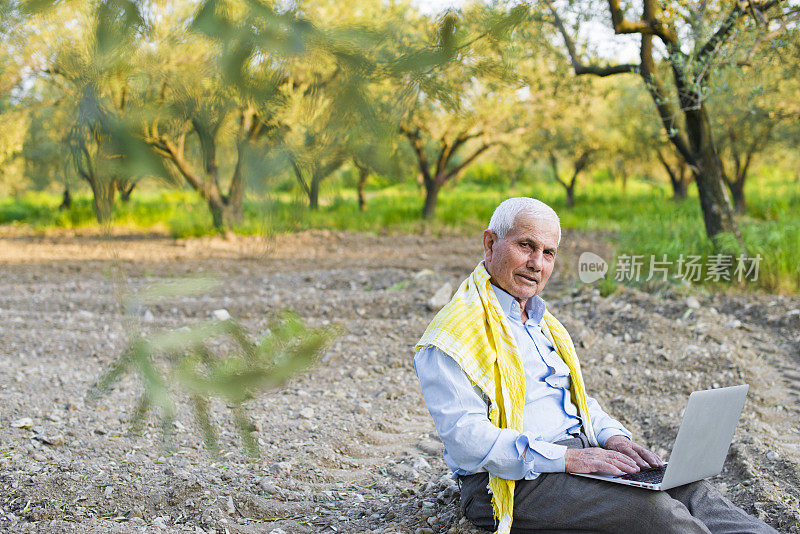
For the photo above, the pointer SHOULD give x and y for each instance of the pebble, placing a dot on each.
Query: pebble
(420, 463)
(268, 487)
(733, 323)
(307, 413)
(281, 468)
(221, 314)
(772, 455)
(25, 422)
(441, 297)
(693, 303)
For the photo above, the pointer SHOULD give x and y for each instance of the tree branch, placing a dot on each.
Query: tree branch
(577, 66)
(457, 169)
(299, 174)
(659, 96)
(647, 26)
(707, 51)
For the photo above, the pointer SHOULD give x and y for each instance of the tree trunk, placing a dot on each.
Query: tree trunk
(236, 190)
(125, 192)
(710, 177)
(431, 197)
(103, 192)
(363, 174)
(66, 200)
(680, 191)
(223, 215)
(677, 177)
(570, 195)
(313, 193)
(737, 192)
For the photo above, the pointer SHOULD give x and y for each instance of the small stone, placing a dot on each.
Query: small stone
(613, 372)
(307, 413)
(772, 455)
(221, 314)
(359, 498)
(231, 507)
(441, 297)
(148, 317)
(56, 441)
(359, 373)
(734, 323)
(420, 463)
(160, 523)
(108, 492)
(281, 468)
(277, 531)
(39, 457)
(693, 303)
(626, 337)
(268, 487)
(25, 422)
(608, 358)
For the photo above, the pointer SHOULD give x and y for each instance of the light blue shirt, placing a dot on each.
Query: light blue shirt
(472, 444)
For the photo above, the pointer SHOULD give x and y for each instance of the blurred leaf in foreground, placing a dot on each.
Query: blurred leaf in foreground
(216, 358)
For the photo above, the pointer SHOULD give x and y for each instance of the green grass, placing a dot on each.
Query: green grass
(641, 221)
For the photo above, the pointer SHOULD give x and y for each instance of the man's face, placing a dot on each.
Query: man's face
(522, 261)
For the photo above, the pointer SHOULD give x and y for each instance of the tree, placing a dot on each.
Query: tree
(205, 127)
(677, 173)
(457, 112)
(87, 74)
(750, 107)
(694, 38)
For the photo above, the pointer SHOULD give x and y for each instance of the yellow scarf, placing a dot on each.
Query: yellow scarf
(472, 328)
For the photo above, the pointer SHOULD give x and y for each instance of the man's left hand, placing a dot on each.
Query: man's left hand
(643, 457)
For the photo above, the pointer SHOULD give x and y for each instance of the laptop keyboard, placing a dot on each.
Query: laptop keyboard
(653, 475)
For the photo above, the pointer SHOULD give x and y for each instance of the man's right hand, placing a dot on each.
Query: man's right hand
(597, 459)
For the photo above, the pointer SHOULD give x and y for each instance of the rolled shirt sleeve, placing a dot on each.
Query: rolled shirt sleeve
(472, 443)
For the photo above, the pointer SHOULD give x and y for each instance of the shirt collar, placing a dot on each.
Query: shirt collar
(535, 306)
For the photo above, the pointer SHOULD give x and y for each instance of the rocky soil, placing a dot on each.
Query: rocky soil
(348, 446)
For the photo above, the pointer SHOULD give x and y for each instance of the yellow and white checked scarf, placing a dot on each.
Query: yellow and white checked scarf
(472, 328)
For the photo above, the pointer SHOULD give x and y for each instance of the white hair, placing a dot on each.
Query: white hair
(505, 215)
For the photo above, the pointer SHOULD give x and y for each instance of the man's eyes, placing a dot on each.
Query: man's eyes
(532, 246)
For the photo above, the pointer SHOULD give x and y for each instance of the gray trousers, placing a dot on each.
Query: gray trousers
(557, 502)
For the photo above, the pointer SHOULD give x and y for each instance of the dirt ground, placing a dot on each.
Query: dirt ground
(348, 446)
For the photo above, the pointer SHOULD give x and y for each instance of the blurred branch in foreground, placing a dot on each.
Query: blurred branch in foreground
(215, 358)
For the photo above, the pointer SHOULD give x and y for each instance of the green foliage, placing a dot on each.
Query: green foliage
(215, 358)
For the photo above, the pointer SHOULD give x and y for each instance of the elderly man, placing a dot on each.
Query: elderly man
(502, 382)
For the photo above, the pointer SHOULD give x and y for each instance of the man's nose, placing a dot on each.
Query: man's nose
(536, 260)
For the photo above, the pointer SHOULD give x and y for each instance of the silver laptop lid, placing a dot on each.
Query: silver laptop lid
(705, 435)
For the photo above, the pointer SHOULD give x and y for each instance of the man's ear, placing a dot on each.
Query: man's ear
(489, 239)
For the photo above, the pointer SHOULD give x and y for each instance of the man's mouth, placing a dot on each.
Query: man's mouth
(528, 278)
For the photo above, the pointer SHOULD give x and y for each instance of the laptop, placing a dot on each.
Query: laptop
(701, 446)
